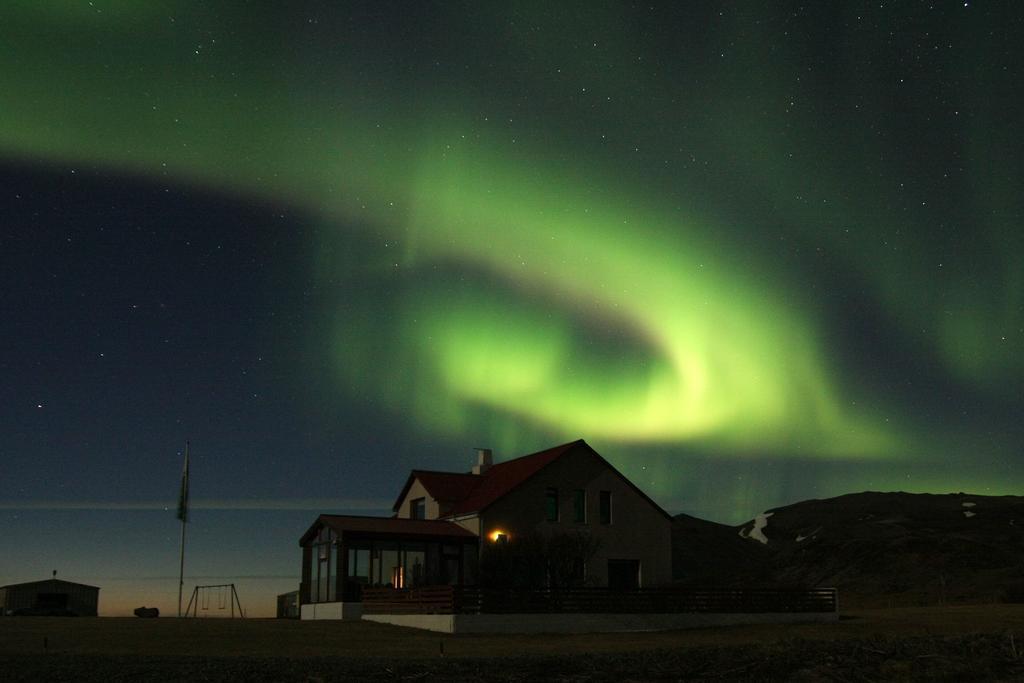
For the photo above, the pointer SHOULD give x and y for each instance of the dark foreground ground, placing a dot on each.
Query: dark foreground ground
(952, 643)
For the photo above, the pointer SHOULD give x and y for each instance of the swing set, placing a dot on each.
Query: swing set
(218, 597)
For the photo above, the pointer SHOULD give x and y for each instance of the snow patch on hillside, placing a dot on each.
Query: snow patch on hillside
(968, 505)
(968, 513)
(757, 531)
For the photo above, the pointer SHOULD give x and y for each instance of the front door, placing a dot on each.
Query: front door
(54, 603)
(451, 570)
(623, 575)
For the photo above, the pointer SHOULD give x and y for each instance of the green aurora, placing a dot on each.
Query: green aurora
(725, 243)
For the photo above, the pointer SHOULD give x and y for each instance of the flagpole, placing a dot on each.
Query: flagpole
(183, 516)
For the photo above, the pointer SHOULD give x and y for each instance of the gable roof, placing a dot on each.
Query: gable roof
(502, 478)
(446, 487)
(473, 493)
(50, 582)
(387, 525)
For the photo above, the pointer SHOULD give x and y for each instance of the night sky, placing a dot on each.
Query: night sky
(751, 253)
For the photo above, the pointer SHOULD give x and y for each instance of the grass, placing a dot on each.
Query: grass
(297, 639)
(955, 643)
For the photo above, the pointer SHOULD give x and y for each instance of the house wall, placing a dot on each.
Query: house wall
(417, 490)
(471, 523)
(638, 531)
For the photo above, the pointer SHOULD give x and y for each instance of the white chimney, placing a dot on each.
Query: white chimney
(483, 460)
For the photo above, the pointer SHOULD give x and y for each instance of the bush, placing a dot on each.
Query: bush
(537, 561)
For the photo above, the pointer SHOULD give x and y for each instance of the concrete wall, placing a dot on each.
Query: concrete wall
(344, 611)
(586, 623)
(638, 530)
(416, 490)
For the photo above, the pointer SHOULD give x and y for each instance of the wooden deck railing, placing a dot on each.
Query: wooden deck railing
(426, 600)
(476, 600)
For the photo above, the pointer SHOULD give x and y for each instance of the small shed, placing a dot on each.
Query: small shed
(50, 597)
(288, 605)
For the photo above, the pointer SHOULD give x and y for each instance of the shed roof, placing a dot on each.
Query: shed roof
(388, 526)
(49, 582)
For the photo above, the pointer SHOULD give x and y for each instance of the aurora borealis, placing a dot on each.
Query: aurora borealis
(751, 254)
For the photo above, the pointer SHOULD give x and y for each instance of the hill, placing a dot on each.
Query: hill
(877, 548)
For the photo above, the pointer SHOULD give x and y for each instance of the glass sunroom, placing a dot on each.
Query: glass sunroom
(343, 553)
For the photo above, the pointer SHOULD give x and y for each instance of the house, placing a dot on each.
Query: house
(443, 523)
(49, 597)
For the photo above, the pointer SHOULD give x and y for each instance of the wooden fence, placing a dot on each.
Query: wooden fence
(426, 600)
(476, 600)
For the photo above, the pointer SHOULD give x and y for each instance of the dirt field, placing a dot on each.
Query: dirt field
(979, 642)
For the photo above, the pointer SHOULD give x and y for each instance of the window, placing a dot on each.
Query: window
(606, 507)
(418, 508)
(323, 567)
(579, 506)
(551, 504)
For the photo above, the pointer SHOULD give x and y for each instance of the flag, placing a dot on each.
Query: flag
(183, 495)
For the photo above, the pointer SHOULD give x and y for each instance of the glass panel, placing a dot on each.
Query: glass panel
(433, 564)
(313, 581)
(391, 567)
(418, 509)
(332, 581)
(414, 561)
(322, 588)
(375, 566)
(359, 564)
(579, 505)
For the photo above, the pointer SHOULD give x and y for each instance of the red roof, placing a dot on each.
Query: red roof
(388, 525)
(447, 486)
(505, 476)
(473, 493)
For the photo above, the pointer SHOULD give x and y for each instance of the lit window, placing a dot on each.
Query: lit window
(551, 504)
(418, 508)
(579, 506)
(606, 507)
